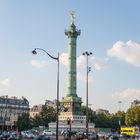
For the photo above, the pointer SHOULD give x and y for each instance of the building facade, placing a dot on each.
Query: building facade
(102, 111)
(35, 110)
(10, 109)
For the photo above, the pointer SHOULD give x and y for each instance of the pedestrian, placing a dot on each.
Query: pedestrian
(17, 134)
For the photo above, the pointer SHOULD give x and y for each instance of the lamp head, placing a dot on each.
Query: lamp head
(89, 69)
(119, 101)
(34, 52)
(83, 53)
(87, 53)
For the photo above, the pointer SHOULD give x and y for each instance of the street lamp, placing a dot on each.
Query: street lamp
(88, 70)
(2, 118)
(119, 102)
(55, 58)
(5, 117)
(69, 123)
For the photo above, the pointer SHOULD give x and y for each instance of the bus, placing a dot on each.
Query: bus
(132, 131)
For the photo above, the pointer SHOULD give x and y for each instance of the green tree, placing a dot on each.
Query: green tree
(100, 120)
(23, 122)
(36, 121)
(120, 115)
(47, 115)
(103, 120)
(132, 117)
(91, 113)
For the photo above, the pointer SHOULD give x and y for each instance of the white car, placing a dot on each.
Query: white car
(101, 134)
(92, 135)
(29, 135)
(48, 132)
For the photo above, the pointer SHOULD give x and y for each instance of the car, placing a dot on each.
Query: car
(92, 135)
(123, 135)
(42, 137)
(4, 135)
(29, 135)
(80, 135)
(48, 132)
(101, 134)
(114, 136)
(63, 132)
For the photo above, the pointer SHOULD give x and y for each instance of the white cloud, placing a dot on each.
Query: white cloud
(6, 82)
(64, 59)
(99, 63)
(39, 64)
(83, 77)
(80, 61)
(128, 93)
(129, 52)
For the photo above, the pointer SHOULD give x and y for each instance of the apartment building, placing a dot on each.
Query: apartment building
(35, 110)
(11, 108)
(102, 111)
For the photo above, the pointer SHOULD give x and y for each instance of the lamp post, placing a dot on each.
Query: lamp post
(88, 70)
(1, 119)
(57, 59)
(69, 123)
(5, 118)
(119, 102)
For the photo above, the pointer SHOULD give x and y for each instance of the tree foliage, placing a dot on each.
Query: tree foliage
(47, 115)
(132, 117)
(23, 122)
(120, 115)
(36, 121)
(103, 120)
(91, 113)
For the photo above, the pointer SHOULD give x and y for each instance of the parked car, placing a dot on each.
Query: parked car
(63, 132)
(48, 132)
(42, 137)
(80, 135)
(27, 134)
(23, 134)
(114, 136)
(92, 135)
(4, 135)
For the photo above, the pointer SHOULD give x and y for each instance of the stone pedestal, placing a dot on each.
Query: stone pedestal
(75, 126)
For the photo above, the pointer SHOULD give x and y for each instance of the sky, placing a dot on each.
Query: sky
(109, 29)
